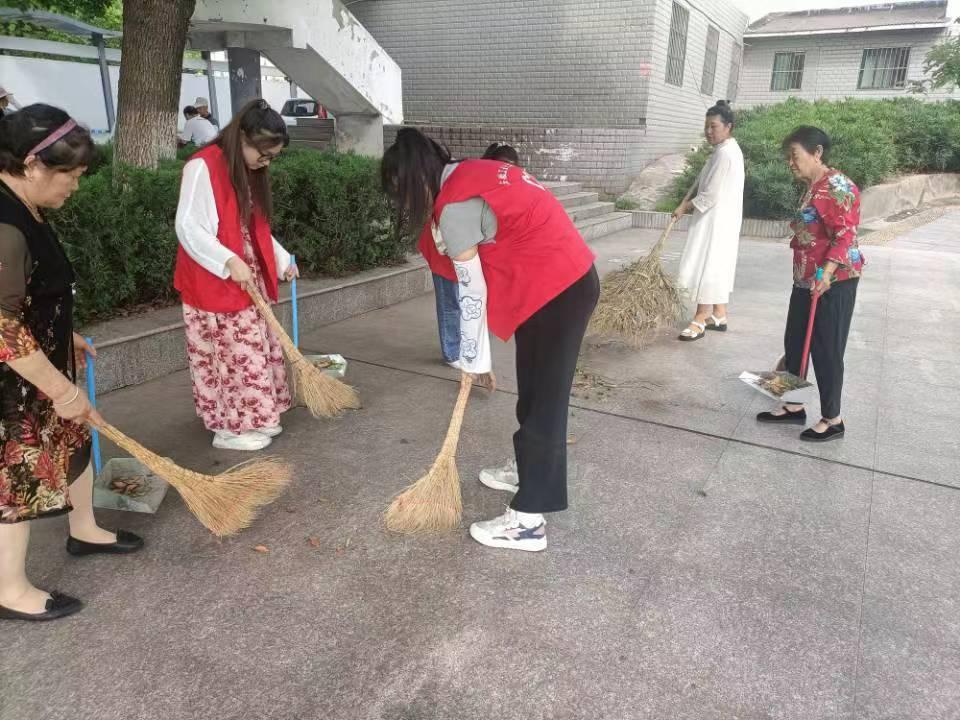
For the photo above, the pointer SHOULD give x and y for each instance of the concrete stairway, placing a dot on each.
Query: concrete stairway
(593, 218)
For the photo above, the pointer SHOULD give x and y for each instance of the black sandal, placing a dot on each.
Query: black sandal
(833, 432)
(58, 606)
(790, 417)
(717, 324)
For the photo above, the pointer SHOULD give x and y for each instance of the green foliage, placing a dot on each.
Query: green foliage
(107, 14)
(941, 66)
(329, 211)
(626, 204)
(872, 141)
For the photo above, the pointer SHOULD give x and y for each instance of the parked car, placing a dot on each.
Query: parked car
(295, 109)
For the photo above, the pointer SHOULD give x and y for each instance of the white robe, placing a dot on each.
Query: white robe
(709, 262)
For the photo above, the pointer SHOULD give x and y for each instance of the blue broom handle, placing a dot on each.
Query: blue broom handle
(293, 297)
(92, 393)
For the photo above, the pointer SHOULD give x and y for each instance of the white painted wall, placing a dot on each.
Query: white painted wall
(832, 65)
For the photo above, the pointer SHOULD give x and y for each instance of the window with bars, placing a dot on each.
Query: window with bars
(787, 71)
(733, 80)
(884, 68)
(677, 46)
(710, 61)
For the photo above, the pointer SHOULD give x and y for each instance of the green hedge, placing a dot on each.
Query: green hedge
(872, 141)
(329, 212)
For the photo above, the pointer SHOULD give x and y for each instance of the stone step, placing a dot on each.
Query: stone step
(562, 188)
(577, 199)
(597, 227)
(591, 210)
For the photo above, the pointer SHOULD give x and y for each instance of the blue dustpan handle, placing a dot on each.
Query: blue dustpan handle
(293, 297)
(92, 393)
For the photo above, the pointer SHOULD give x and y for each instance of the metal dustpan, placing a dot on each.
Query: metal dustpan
(782, 385)
(123, 483)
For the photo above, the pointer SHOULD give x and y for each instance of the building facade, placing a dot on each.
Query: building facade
(870, 52)
(587, 91)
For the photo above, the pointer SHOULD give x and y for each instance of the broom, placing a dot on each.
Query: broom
(323, 395)
(433, 503)
(638, 299)
(224, 503)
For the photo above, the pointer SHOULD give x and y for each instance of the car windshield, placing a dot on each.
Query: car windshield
(299, 108)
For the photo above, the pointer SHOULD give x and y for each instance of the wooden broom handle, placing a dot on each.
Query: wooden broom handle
(663, 238)
(264, 309)
(456, 421)
(124, 442)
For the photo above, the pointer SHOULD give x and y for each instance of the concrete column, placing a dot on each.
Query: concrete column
(105, 81)
(244, 67)
(361, 133)
(211, 85)
(293, 90)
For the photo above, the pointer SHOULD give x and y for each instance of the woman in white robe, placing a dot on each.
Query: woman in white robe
(709, 261)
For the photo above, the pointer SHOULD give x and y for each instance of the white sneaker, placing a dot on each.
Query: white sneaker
(270, 432)
(513, 531)
(501, 478)
(455, 364)
(248, 441)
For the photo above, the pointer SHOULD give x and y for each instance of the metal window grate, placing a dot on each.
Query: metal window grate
(787, 71)
(733, 82)
(677, 47)
(884, 68)
(710, 61)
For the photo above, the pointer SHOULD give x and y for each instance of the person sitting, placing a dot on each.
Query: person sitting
(503, 152)
(197, 130)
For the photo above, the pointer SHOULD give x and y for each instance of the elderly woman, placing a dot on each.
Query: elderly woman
(45, 465)
(709, 261)
(824, 236)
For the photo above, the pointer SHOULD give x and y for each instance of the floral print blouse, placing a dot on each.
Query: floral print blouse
(825, 229)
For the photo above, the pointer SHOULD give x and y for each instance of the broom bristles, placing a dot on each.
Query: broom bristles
(638, 299)
(323, 395)
(224, 503)
(433, 503)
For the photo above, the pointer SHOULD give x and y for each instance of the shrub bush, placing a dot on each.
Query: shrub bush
(872, 141)
(329, 211)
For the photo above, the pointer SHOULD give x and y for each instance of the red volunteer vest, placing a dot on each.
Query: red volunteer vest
(202, 289)
(537, 253)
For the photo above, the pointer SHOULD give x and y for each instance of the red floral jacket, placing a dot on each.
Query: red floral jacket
(825, 229)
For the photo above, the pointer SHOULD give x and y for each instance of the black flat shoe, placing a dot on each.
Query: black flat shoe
(58, 606)
(834, 432)
(126, 542)
(797, 417)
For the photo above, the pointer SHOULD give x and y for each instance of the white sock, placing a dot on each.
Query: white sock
(529, 520)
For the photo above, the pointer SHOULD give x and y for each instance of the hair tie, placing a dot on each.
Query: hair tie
(53, 137)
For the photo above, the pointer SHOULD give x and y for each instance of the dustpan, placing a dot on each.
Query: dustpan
(123, 483)
(784, 386)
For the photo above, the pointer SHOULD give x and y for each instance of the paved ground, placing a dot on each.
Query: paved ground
(806, 584)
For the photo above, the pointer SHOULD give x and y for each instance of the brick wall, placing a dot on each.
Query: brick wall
(831, 65)
(569, 81)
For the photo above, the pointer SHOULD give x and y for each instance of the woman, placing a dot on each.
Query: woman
(223, 224)
(45, 468)
(824, 236)
(522, 268)
(709, 262)
(445, 290)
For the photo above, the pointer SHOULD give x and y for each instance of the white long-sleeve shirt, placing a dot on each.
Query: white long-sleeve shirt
(197, 224)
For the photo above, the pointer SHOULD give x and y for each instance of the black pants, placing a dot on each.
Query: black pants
(830, 330)
(548, 345)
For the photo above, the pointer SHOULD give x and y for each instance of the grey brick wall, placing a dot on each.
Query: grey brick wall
(577, 84)
(831, 65)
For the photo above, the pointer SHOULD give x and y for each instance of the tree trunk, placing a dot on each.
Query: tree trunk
(154, 36)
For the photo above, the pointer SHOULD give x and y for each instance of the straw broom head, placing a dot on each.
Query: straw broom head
(323, 395)
(224, 503)
(638, 299)
(433, 503)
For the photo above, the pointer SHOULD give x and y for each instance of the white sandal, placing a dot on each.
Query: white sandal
(689, 335)
(718, 324)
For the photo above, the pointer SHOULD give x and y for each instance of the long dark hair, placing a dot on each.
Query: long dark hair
(263, 128)
(411, 172)
(22, 131)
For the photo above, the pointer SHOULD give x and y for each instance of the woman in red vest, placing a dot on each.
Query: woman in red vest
(223, 224)
(523, 270)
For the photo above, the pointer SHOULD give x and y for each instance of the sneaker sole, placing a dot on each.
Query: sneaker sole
(497, 484)
(227, 446)
(528, 545)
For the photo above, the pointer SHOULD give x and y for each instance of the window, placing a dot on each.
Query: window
(787, 71)
(677, 47)
(884, 68)
(710, 61)
(733, 81)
